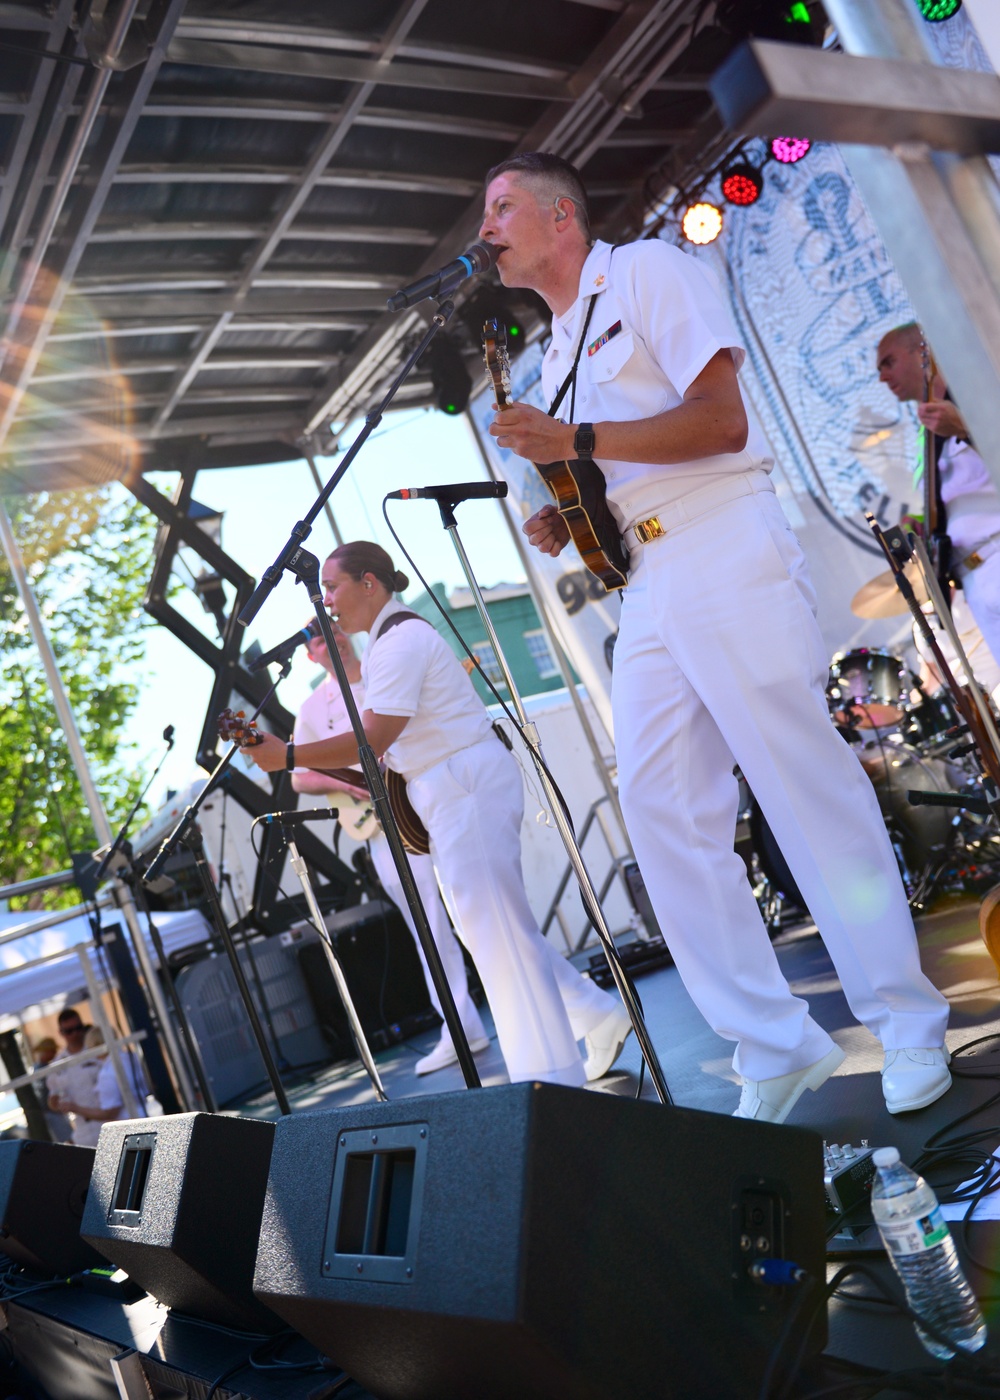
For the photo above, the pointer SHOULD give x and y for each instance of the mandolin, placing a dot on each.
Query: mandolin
(235, 728)
(578, 487)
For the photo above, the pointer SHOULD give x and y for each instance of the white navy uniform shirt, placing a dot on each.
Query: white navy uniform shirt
(970, 497)
(658, 320)
(412, 671)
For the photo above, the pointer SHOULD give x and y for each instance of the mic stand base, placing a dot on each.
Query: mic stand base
(554, 799)
(357, 1030)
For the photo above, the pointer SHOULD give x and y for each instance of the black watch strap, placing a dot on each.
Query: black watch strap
(584, 441)
(290, 757)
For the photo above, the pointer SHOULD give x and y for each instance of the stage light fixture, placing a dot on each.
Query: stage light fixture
(702, 223)
(789, 149)
(742, 184)
(450, 378)
(934, 11)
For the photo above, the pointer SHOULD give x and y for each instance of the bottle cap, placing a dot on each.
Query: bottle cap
(886, 1156)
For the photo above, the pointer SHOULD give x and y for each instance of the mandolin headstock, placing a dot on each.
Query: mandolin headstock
(497, 360)
(235, 728)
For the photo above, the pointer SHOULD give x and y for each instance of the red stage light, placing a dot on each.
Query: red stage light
(789, 149)
(742, 184)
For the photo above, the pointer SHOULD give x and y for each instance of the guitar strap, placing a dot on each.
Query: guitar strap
(569, 383)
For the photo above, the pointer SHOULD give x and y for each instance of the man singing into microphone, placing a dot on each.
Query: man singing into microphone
(324, 713)
(719, 659)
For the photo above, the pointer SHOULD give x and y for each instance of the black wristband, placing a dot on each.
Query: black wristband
(289, 756)
(584, 441)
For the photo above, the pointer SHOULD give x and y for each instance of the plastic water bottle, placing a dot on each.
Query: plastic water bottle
(917, 1240)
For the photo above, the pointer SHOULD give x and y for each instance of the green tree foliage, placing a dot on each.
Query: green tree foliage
(87, 554)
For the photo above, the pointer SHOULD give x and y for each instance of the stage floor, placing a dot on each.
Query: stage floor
(697, 1063)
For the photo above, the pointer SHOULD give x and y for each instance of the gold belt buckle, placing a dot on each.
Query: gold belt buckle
(972, 561)
(646, 530)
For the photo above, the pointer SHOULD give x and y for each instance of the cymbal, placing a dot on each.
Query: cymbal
(881, 598)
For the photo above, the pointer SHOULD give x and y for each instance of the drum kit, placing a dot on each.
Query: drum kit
(906, 740)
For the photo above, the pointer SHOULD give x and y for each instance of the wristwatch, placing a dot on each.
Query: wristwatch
(289, 756)
(584, 441)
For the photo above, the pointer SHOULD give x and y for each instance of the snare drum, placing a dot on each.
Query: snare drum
(875, 681)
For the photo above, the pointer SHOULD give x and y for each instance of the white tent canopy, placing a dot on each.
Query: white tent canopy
(37, 991)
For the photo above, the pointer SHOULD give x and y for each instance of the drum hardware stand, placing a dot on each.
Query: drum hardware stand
(188, 832)
(354, 1020)
(529, 734)
(305, 567)
(969, 702)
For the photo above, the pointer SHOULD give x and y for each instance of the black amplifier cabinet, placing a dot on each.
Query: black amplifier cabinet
(539, 1242)
(379, 957)
(176, 1202)
(43, 1186)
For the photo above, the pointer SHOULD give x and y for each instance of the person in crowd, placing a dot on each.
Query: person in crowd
(424, 716)
(73, 1088)
(43, 1052)
(323, 713)
(719, 659)
(110, 1102)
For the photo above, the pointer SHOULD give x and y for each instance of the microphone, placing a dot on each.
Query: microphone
(479, 258)
(284, 649)
(308, 814)
(452, 492)
(168, 735)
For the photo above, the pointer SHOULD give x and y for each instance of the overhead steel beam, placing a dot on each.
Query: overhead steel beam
(492, 78)
(115, 304)
(55, 29)
(766, 86)
(347, 281)
(206, 232)
(274, 110)
(411, 182)
(251, 360)
(131, 91)
(297, 37)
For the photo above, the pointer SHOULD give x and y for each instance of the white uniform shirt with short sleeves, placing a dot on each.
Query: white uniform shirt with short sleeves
(323, 713)
(968, 492)
(658, 319)
(412, 671)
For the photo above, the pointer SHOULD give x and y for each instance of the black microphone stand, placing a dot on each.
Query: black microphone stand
(117, 859)
(529, 734)
(188, 832)
(305, 568)
(353, 1019)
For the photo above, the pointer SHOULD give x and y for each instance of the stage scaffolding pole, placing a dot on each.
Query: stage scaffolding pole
(102, 827)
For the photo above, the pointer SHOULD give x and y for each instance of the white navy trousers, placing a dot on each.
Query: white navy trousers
(720, 661)
(472, 804)
(982, 593)
(422, 869)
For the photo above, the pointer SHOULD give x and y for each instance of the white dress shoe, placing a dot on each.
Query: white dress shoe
(605, 1042)
(444, 1054)
(915, 1078)
(772, 1100)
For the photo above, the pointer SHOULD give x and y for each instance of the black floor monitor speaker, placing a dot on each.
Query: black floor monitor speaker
(539, 1242)
(43, 1186)
(176, 1202)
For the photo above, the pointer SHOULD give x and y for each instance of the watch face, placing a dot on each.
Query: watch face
(583, 442)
